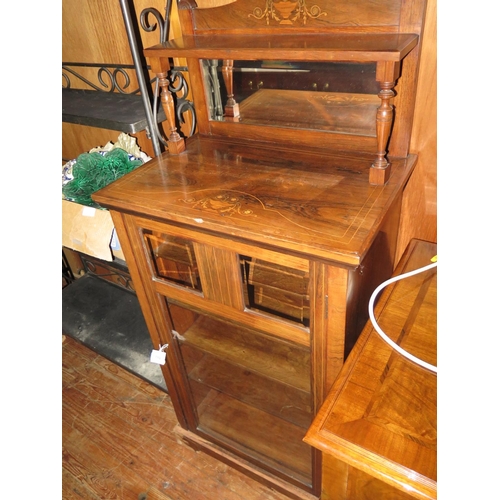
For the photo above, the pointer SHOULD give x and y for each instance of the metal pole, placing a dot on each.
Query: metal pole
(140, 75)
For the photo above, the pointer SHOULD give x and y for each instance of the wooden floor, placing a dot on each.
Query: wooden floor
(118, 441)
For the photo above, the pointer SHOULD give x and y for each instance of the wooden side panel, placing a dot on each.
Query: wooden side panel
(198, 89)
(419, 208)
(319, 327)
(335, 478)
(94, 30)
(377, 266)
(412, 20)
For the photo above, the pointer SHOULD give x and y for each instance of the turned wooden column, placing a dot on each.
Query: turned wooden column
(161, 67)
(232, 109)
(387, 74)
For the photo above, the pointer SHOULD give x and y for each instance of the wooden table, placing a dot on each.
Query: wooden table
(378, 426)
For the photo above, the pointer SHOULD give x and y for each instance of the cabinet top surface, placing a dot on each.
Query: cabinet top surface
(308, 202)
(306, 47)
(381, 413)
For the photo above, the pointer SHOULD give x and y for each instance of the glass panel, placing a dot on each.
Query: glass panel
(275, 289)
(173, 258)
(251, 392)
(340, 97)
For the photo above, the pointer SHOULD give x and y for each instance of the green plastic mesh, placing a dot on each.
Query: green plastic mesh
(93, 171)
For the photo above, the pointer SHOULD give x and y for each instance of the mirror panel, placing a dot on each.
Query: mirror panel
(337, 97)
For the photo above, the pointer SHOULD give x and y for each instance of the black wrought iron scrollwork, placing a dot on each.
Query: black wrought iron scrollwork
(108, 272)
(107, 75)
(162, 23)
(178, 85)
(177, 76)
(182, 105)
(115, 77)
(180, 88)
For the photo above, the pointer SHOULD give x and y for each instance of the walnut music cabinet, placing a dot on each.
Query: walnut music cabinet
(255, 244)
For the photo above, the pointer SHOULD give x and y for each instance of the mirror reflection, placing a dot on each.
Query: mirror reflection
(338, 97)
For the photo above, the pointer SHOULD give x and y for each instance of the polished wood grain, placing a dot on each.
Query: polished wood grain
(226, 286)
(307, 202)
(228, 198)
(294, 193)
(82, 23)
(352, 114)
(419, 209)
(312, 16)
(378, 426)
(119, 440)
(386, 50)
(360, 47)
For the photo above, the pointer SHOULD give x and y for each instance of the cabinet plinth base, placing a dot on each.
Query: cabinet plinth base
(199, 444)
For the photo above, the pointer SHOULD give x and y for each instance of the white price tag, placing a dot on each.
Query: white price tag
(88, 211)
(158, 357)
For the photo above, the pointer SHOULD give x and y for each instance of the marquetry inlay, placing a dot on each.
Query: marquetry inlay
(287, 12)
(224, 204)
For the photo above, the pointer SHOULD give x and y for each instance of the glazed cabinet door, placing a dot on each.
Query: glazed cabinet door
(240, 326)
(251, 392)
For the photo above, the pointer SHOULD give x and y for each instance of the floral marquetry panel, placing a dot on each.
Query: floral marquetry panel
(289, 14)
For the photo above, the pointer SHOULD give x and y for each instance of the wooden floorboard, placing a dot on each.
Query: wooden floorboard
(118, 440)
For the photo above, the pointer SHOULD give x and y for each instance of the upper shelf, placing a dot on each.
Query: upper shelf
(360, 47)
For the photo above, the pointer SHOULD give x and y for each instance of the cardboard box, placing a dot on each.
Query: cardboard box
(90, 231)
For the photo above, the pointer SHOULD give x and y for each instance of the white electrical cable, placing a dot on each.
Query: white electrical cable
(381, 332)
